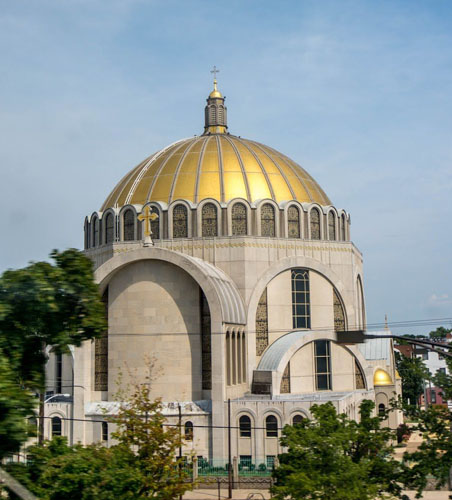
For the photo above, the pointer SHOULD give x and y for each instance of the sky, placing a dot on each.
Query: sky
(357, 92)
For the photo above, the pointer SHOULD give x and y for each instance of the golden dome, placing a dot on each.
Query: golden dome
(218, 166)
(216, 94)
(382, 377)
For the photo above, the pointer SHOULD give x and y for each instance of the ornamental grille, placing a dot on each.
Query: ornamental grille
(359, 377)
(301, 301)
(239, 222)
(209, 220)
(180, 222)
(109, 229)
(315, 224)
(101, 354)
(206, 343)
(285, 381)
(129, 225)
(293, 216)
(331, 226)
(155, 225)
(339, 315)
(268, 220)
(262, 324)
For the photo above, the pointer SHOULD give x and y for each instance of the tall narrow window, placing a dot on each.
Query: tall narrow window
(188, 428)
(359, 377)
(228, 358)
(285, 381)
(101, 354)
(155, 225)
(58, 373)
(109, 229)
(262, 324)
(129, 225)
(322, 365)
(243, 358)
(95, 224)
(239, 222)
(56, 426)
(343, 227)
(331, 226)
(339, 314)
(234, 359)
(87, 234)
(381, 410)
(245, 426)
(268, 220)
(180, 222)
(104, 431)
(301, 301)
(206, 343)
(315, 224)
(239, 358)
(271, 426)
(209, 220)
(293, 221)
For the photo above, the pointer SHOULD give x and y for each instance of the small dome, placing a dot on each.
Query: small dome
(215, 94)
(381, 377)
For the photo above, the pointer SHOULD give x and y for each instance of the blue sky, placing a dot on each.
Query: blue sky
(357, 92)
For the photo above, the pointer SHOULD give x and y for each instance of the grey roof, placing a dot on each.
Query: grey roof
(377, 348)
(274, 354)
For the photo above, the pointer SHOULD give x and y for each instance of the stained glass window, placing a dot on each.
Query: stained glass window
(109, 229)
(322, 365)
(262, 324)
(239, 222)
(343, 222)
(209, 220)
(339, 314)
(95, 223)
(268, 220)
(101, 354)
(331, 226)
(293, 219)
(301, 301)
(285, 381)
(315, 224)
(155, 225)
(188, 427)
(180, 222)
(359, 377)
(206, 343)
(129, 225)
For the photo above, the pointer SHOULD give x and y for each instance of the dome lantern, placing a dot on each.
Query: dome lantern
(215, 112)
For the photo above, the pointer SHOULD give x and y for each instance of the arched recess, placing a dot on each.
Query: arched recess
(361, 309)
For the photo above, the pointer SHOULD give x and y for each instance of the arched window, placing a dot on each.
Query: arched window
(293, 221)
(95, 239)
(180, 222)
(315, 224)
(339, 313)
(268, 220)
(297, 420)
(155, 225)
(239, 358)
(343, 223)
(381, 410)
(109, 228)
(228, 358)
(271, 426)
(331, 226)
(239, 222)
(209, 220)
(262, 324)
(245, 426)
(104, 431)
(56, 426)
(301, 299)
(243, 358)
(359, 377)
(129, 225)
(87, 234)
(285, 380)
(188, 431)
(234, 359)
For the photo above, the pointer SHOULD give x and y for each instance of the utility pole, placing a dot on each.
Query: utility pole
(180, 444)
(229, 452)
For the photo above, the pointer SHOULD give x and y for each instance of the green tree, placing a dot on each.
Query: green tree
(440, 333)
(44, 304)
(413, 373)
(334, 458)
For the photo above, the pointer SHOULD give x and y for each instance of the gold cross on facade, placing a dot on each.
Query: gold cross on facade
(147, 216)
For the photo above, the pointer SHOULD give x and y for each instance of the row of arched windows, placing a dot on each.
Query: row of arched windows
(235, 358)
(271, 425)
(104, 232)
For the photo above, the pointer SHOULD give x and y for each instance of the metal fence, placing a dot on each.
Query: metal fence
(244, 467)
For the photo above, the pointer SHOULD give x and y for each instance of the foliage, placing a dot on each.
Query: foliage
(439, 333)
(403, 433)
(42, 304)
(335, 458)
(413, 373)
(142, 464)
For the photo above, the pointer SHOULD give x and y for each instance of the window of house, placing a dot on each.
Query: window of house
(109, 230)
(315, 224)
(239, 222)
(331, 226)
(270, 461)
(433, 396)
(245, 426)
(129, 225)
(188, 431)
(271, 426)
(245, 461)
(442, 370)
(381, 410)
(343, 225)
(297, 420)
(56, 426)
(293, 222)
(104, 431)
(95, 240)
(301, 309)
(268, 221)
(322, 365)
(180, 222)
(209, 220)
(58, 373)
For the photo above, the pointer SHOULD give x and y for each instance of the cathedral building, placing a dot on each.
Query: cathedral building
(224, 265)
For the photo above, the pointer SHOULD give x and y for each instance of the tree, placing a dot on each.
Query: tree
(41, 305)
(413, 373)
(440, 333)
(141, 465)
(335, 458)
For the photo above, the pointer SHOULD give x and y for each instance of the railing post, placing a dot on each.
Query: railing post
(195, 469)
(235, 473)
